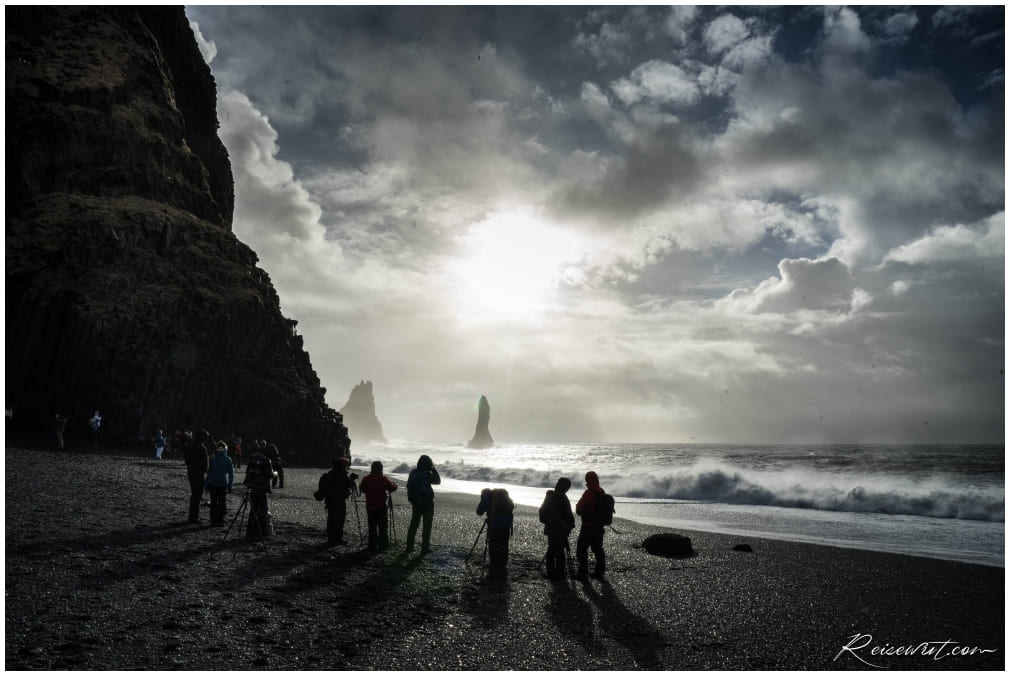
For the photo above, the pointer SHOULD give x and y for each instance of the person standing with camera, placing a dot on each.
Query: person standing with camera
(195, 454)
(334, 488)
(258, 475)
(376, 487)
(422, 501)
(220, 475)
(498, 506)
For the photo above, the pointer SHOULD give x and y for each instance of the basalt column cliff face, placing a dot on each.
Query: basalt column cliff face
(126, 289)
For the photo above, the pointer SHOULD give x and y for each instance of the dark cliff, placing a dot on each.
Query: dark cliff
(359, 414)
(481, 433)
(126, 289)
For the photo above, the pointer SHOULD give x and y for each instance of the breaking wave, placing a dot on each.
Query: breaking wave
(707, 482)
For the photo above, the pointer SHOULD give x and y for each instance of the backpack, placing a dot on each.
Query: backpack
(501, 505)
(258, 472)
(546, 507)
(605, 508)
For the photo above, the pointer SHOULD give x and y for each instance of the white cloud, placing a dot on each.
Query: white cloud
(725, 32)
(954, 243)
(896, 28)
(680, 21)
(843, 32)
(659, 82)
(749, 53)
(802, 284)
(207, 47)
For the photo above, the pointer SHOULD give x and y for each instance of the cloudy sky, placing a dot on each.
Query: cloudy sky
(714, 224)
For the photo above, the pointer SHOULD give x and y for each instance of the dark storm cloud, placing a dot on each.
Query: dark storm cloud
(772, 223)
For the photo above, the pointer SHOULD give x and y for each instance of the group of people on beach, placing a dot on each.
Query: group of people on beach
(210, 466)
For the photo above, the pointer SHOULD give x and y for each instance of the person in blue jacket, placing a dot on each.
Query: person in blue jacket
(422, 501)
(220, 476)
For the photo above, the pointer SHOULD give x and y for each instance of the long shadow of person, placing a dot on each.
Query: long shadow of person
(573, 616)
(634, 632)
(488, 603)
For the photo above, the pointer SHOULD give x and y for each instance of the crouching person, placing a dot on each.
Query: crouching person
(220, 475)
(258, 475)
(498, 506)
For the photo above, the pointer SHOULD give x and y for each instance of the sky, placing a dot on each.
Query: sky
(672, 224)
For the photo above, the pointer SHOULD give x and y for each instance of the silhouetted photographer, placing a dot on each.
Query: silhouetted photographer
(422, 502)
(334, 488)
(556, 515)
(259, 474)
(498, 506)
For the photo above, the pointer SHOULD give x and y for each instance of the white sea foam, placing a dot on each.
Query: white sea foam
(939, 501)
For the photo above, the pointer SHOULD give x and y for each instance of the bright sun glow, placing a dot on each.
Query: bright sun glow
(511, 264)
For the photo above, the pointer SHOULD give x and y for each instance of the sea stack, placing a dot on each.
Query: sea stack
(359, 414)
(481, 435)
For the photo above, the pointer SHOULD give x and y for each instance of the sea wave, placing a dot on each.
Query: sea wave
(708, 482)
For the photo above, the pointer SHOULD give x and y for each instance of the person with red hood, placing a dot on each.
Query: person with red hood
(591, 532)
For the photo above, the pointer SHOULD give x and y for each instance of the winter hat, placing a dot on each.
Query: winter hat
(592, 479)
(341, 462)
(562, 485)
(376, 467)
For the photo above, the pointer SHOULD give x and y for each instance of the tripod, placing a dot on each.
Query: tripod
(392, 521)
(568, 558)
(242, 508)
(476, 540)
(357, 516)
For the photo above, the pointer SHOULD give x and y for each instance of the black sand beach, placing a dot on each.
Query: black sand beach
(102, 572)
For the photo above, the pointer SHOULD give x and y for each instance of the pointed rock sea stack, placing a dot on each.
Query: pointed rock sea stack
(359, 414)
(481, 435)
(126, 289)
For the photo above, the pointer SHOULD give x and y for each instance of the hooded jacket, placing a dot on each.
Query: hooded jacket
(420, 480)
(586, 506)
(221, 471)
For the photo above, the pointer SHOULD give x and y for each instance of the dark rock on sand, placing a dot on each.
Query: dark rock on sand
(668, 544)
(742, 548)
(359, 414)
(126, 289)
(481, 434)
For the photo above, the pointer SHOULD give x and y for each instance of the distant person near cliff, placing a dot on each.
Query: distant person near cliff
(159, 443)
(60, 427)
(278, 465)
(591, 532)
(556, 515)
(220, 476)
(195, 454)
(95, 425)
(422, 501)
(376, 487)
(236, 451)
(334, 488)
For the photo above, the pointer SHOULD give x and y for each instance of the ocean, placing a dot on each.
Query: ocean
(939, 501)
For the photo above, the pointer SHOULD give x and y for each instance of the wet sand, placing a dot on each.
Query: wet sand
(102, 572)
